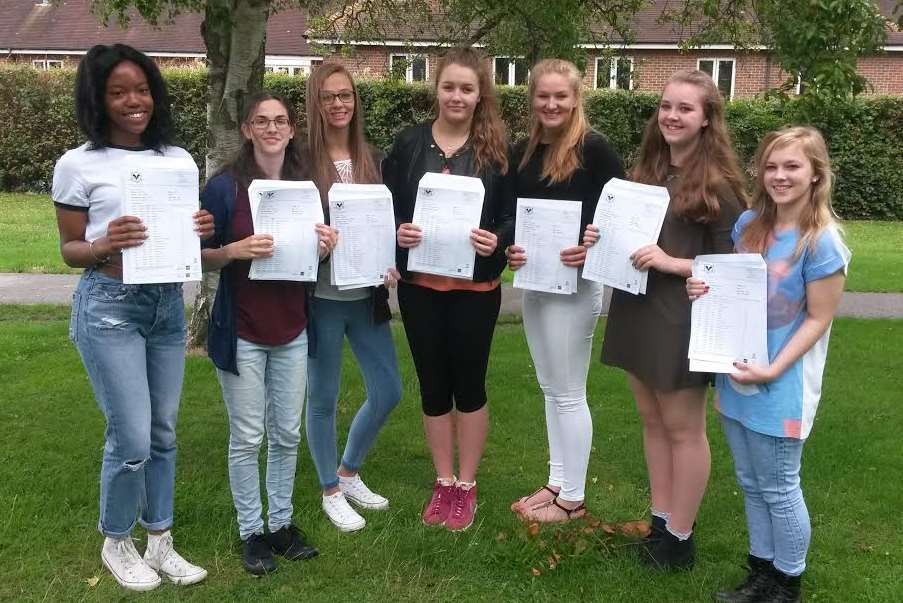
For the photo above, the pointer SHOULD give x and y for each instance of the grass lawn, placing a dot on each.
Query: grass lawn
(51, 450)
(31, 244)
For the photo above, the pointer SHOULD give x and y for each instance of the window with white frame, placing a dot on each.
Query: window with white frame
(46, 64)
(409, 67)
(614, 72)
(511, 71)
(722, 71)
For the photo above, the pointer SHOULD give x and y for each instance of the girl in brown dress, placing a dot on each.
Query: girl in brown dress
(686, 148)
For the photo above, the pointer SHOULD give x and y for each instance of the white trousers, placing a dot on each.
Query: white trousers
(559, 332)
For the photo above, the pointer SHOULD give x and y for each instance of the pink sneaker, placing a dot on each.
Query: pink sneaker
(463, 508)
(436, 511)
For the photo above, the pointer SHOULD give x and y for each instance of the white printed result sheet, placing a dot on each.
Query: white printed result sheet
(729, 323)
(363, 215)
(447, 208)
(543, 228)
(164, 193)
(629, 216)
(289, 211)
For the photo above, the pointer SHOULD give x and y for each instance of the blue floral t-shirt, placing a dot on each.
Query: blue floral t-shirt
(786, 406)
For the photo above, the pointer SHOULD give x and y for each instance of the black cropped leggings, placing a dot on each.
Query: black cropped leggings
(450, 335)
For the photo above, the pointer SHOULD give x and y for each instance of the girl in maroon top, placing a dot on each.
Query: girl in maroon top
(258, 337)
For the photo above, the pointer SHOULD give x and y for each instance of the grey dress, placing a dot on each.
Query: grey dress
(649, 335)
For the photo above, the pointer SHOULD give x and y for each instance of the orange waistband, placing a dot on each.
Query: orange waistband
(448, 283)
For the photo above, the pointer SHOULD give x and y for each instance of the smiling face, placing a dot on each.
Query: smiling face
(129, 104)
(553, 101)
(337, 100)
(681, 114)
(269, 128)
(457, 93)
(788, 177)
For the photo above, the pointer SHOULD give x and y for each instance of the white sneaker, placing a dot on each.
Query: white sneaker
(341, 514)
(122, 559)
(161, 557)
(357, 492)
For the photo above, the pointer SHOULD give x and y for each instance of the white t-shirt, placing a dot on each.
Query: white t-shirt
(90, 181)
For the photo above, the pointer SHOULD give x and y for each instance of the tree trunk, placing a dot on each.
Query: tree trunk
(234, 32)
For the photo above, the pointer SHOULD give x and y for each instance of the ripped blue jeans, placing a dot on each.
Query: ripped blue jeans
(132, 342)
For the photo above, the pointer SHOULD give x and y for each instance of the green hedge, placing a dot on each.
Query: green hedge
(865, 136)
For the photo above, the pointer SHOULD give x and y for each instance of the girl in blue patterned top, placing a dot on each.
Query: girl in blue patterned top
(767, 411)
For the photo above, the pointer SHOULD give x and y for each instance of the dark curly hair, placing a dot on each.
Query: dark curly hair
(90, 88)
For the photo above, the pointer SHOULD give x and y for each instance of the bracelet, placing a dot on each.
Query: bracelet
(98, 261)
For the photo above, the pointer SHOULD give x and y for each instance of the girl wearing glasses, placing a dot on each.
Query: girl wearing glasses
(258, 338)
(449, 322)
(131, 337)
(338, 152)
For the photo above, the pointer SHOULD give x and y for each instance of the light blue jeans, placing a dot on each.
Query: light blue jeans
(768, 471)
(267, 396)
(132, 342)
(375, 352)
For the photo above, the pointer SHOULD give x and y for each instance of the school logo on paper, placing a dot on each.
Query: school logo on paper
(528, 210)
(267, 195)
(427, 192)
(610, 197)
(340, 204)
(709, 268)
(136, 177)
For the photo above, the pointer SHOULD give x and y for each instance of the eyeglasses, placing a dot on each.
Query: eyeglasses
(346, 97)
(262, 123)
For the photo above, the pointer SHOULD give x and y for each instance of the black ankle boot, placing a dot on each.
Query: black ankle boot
(671, 553)
(782, 588)
(656, 529)
(758, 580)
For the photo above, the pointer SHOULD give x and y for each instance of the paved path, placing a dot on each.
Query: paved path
(57, 289)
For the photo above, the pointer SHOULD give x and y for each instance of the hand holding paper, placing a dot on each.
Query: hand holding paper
(447, 210)
(160, 201)
(289, 211)
(547, 229)
(628, 221)
(728, 319)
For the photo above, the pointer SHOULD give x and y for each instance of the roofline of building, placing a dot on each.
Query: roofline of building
(588, 46)
(395, 43)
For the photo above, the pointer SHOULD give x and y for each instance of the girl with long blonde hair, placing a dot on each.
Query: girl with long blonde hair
(338, 152)
(449, 322)
(767, 412)
(563, 159)
(686, 148)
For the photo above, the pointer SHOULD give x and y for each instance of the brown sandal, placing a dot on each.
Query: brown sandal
(519, 506)
(575, 513)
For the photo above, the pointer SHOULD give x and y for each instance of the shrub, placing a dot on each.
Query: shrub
(37, 124)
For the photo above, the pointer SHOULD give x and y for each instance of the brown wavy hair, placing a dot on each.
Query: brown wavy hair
(487, 131)
(563, 157)
(817, 215)
(711, 171)
(244, 167)
(324, 173)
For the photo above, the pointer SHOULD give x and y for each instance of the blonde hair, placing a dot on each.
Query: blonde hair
(709, 171)
(563, 158)
(365, 170)
(817, 214)
(487, 131)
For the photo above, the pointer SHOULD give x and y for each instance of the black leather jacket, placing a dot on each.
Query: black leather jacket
(402, 172)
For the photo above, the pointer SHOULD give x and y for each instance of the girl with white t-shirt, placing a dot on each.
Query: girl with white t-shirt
(767, 411)
(131, 337)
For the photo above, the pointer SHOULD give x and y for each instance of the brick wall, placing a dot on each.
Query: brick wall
(884, 72)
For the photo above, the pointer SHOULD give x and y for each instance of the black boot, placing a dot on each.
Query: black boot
(657, 528)
(782, 588)
(757, 582)
(671, 553)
